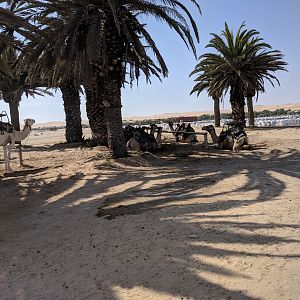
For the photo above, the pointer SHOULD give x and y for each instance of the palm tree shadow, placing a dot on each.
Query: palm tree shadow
(157, 247)
(20, 173)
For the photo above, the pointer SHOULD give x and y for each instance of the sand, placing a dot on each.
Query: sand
(182, 223)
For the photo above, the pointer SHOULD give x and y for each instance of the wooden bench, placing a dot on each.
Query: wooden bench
(204, 133)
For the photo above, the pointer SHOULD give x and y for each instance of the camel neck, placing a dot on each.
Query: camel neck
(214, 136)
(21, 135)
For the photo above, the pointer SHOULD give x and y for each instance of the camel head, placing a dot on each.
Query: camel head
(189, 128)
(29, 122)
(137, 135)
(181, 127)
(209, 128)
(153, 128)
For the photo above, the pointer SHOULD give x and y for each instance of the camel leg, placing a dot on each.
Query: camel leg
(172, 129)
(4, 155)
(9, 148)
(133, 144)
(188, 139)
(240, 143)
(158, 137)
(6, 158)
(20, 155)
(191, 139)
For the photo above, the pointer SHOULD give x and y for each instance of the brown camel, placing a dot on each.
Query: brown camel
(187, 137)
(143, 141)
(233, 138)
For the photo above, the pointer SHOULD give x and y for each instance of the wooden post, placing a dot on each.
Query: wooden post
(205, 141)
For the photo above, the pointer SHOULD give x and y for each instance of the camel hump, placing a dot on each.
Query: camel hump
(190, 128)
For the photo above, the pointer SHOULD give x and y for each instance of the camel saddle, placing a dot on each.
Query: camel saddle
(6, 127)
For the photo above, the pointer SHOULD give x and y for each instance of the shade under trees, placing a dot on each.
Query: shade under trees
(103, 44)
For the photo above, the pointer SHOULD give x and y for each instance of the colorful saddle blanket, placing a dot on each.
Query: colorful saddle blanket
(6, 127)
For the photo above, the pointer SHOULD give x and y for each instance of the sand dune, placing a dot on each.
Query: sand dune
(292, 106)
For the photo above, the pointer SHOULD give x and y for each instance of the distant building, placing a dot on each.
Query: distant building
(186, 119)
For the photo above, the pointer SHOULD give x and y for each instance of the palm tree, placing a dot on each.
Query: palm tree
(13, 87)
(241, 64)
(70, 96)
(11, 80)
(100, 42)
(203, 82)
(10, 23)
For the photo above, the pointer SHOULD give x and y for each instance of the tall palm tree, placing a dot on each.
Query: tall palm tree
(100, 42)
(12, 87)
(12, 80)
(241, 63)
(203, 82)
(70, 95)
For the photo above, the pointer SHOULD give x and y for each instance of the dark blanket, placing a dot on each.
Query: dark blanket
(4, 126)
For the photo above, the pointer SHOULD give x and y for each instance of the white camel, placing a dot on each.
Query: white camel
(8, 139)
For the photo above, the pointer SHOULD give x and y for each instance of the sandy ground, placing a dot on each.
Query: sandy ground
(184, 223)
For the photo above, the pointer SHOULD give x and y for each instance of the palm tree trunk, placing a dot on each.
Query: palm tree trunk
(237, 102)
(217, 113)
(13, 101)
(71, 100)
(250, 112)
(96, 117)
(110, 84)
(113, 115)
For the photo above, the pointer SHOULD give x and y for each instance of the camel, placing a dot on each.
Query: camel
(8, 137)
(139, 140)
(183, 137)
(234, 138)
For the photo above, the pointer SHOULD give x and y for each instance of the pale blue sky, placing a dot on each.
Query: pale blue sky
(278, 22)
